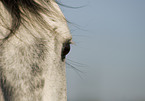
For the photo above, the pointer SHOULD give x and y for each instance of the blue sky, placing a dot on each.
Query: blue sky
(109, 38)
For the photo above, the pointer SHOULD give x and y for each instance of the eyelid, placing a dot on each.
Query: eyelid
(69, 41)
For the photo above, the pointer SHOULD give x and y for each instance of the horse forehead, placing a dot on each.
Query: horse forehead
(59, 23)
(62, 31)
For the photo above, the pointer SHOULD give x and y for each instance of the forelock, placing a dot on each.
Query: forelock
(20, 8)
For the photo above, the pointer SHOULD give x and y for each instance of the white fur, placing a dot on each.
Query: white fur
(53, 67)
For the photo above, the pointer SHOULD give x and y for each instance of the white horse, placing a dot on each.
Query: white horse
(34, 40)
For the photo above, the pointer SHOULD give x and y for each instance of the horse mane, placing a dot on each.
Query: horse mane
(19, 8)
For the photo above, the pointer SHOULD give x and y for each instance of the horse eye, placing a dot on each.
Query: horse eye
(65, 50)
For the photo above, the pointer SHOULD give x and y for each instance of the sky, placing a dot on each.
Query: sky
(107, 59)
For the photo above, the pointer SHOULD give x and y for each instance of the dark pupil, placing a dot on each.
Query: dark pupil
(65, 50)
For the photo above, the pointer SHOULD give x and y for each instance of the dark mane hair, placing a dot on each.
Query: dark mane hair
(17, 8)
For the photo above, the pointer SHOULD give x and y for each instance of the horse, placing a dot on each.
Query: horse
(34, 42)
